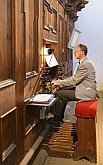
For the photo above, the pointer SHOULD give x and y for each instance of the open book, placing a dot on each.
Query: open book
(51, 60)
(42, 98)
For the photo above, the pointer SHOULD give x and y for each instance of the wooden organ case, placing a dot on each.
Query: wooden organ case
(57, 27)
(26, 28)
(60, 141)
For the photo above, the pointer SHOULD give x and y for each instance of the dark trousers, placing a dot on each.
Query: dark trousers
(64, 95)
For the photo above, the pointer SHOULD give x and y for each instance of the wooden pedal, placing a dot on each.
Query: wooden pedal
(60, 144)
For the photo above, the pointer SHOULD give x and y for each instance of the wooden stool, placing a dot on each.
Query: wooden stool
(86, 132)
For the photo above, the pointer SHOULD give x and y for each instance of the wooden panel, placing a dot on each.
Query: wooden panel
(30, 87)
(28, 142)
(86, 144)
(61, 42)
(54, 20)
(36, 8)
(54, 4)
(5, 39)
(61, 10)
(11, 159)
(31, 137)
(32, 115)
(19, 76)
(7, 99)
(36, 55)
(50, 21)
(65, 47)
(46, 19)
(31, 34)
(8, 134)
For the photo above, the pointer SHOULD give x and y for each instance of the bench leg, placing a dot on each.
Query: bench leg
(86, 144)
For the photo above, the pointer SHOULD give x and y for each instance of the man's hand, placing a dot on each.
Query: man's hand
(56, 82)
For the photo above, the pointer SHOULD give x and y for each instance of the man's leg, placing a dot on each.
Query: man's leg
(63, 97)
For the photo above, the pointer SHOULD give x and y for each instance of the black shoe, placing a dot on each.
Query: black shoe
(54, 121)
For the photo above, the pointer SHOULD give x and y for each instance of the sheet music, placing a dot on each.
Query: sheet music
(51, 60)
(42, 98)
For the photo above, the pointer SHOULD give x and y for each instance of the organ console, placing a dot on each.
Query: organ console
(50, 73)
(59, 141)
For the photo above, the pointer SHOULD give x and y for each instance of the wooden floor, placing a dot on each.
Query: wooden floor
(59, 161)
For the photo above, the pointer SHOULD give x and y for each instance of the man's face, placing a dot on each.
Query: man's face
(78, 52)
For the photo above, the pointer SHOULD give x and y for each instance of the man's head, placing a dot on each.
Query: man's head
(80, 51)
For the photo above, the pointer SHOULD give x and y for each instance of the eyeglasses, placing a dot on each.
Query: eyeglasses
(77, 51)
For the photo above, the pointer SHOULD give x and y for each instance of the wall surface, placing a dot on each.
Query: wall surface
(91, 25)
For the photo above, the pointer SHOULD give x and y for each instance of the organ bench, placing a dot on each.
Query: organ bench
(86, 132)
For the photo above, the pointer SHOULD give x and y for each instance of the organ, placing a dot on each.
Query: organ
(26, 28)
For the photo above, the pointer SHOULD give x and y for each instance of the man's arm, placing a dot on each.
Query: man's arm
(79, 76)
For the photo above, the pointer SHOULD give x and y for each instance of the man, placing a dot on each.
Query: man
(81, 86)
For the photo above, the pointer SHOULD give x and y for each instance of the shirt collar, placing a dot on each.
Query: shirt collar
(81, 60)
